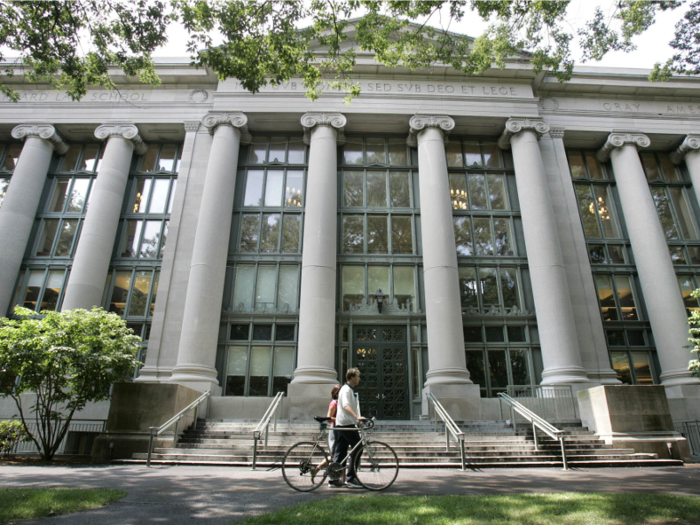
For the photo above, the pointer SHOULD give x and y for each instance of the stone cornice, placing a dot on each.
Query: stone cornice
(335, 120)
(515, 125)
(617, 139)
(42, 130)
(690, 143)
(235, 119)
(124, 129)
(420, 122)
(557, 133)
(192, 126)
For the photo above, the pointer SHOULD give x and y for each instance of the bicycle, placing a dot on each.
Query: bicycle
(376, 466)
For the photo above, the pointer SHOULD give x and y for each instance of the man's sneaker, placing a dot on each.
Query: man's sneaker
(334, 484)
(353, 484)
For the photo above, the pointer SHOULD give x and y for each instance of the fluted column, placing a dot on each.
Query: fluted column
(21, 201)
(91, 263)
(555, 318)
(447, 375)
(689, 150)
(196, 357)
(315, 356)
(656, 274)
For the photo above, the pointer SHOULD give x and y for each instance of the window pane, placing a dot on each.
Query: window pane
(687, 287)
(294, 189)
(143, 188)
(352, 152)
(397, 152)
(621, 365)
(89, 158)
(122, 283)
(594, 168)
(259, 370)
(617, 254)
(498, 371)
(243, 289)
(353, 234)
(606, 298)
(239, 332)
(669, 169)
(472, 334)
(48, 234)
(270, 232)
(607, 217)
(277, 149)
(4, 184)
(458, 192)
(376, 189)
(154, 295)
(578, 170)
(78, 195)
(596, 252)
(516, 334)
(694, 252)
(149, 244)
(284, 332)
(482, 236)
(405, 287)
(12, 156)
(377, 279)
(377, 234)
(352, 188)
(353, 286)
(468, 288)
(236, 370)
(130, 244)
(288, 292)
(401, 234)
(636, 337)
(172, 195)
(463, 235)
(497, 192)
(148, 160)
(258, 150)
(167, 157)
(164, 238)
(399, 191)
(472, 153)
(477, 191)
(489, 286)
(291, 228)
(504, 246)
(262, 332)
(375, 151)
(624, 295)
(139, 294)
(616, 337)
(253, 188)
(685, 220)
(587, 208)
(642, 369)
(67, 163)
(677, 254)
(273, 188)
(454, 154)
(59, 195)
(54, 283)
(494, 334)
(509, 287)
(518, 366)
(65, 240)
(651, 168)
(492, 158)
(160, 196)
(265, 288)
(663, 208)
(296, 150)
(250, 226)
(475, 365)
(283, 369)
(34, 284)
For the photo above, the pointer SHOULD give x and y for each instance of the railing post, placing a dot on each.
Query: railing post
(500, 407)
(447, 438)
(267, 428)
(563, 453)
(461, 447)
(150, 449)
(177, 424)
(255, 450)
(534, 434)
(512, 418)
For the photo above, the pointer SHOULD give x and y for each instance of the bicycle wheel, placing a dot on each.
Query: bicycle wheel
(377, 466)
(299, 464)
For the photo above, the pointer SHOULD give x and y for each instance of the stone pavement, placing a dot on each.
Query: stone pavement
(222, 495)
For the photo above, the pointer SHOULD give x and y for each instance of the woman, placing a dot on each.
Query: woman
(332, 411)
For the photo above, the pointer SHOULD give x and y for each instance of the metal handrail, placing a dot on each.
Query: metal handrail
(537, 423)
(175, 420)
(450, 426)
(264, 425)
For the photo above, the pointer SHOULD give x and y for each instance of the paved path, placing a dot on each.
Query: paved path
(222, 495)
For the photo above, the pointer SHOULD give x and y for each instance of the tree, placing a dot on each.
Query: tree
(11, 433)
(72, 45)
(694, 322)
(64, 360)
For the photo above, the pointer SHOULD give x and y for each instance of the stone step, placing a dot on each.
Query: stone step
(281, 448)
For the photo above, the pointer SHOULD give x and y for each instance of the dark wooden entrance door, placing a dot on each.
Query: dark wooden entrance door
(380, 354)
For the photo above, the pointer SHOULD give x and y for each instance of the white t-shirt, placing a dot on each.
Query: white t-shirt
(346, 397)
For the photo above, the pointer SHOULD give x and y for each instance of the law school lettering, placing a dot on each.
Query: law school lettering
(91, 96)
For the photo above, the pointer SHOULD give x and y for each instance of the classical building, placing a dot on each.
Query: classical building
(442, 233)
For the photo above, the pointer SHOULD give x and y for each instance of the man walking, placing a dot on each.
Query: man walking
(347, 417)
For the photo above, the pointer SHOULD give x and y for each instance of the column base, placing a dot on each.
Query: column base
(447, 376)
(564, 376)
(153, 374)
(678, 377)
(196, 376)
(315, 375)
(603, 377)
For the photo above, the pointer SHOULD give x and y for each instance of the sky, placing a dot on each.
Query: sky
(652, 46)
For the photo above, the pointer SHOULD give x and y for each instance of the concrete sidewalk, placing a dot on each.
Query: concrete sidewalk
(221, 495)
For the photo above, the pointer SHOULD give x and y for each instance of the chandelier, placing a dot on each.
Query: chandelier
(294, 197)
(602, 209)
(459, 199)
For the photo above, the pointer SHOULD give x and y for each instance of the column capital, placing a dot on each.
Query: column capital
(42, 130)
(334, 120)
(124, 129)
(617, 139)
(235, 119)
(557, 133)
(515, 125)
(690, 143)
(420, 122)
(192, 126)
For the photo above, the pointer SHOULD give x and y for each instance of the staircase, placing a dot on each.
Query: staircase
(488, 444)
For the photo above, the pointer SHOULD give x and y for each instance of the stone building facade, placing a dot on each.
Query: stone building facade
(443, 233)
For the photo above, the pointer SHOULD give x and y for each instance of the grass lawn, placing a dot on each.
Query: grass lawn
(22, 504)
(514, 509)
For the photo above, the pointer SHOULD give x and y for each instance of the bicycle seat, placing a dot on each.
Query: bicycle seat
(322, 419)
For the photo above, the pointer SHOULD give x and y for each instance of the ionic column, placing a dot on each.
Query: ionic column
(91, 263)
(196, 358)
(689, 150)
(555, 318)
(447, 375)
(315, 355)
(21, 201)
(656, 274)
